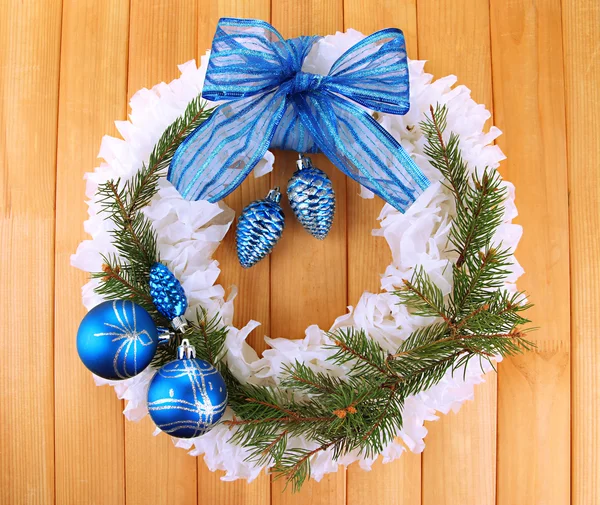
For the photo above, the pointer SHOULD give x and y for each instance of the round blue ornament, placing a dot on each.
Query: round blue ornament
(188, 396)
(117, 339)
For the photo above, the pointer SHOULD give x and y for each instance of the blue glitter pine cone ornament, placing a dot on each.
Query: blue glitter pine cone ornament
(168, 295)
(117, 339)
(188, 396)
(312, 198)
(259, 228)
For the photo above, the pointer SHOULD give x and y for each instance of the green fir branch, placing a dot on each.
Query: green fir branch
(363, 409)
(366, 356)
(143, 186)
(445, 156)
(423, 296)
(206, 334)
(360, 407)
(472, 230)
(126, 274)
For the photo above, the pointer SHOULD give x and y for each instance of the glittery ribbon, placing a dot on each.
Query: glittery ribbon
(269, 101)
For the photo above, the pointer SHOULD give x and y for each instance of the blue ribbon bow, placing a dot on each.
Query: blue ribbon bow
(270, 101)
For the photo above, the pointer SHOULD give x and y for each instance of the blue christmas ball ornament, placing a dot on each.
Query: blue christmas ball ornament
(117, 339)
(188, 396)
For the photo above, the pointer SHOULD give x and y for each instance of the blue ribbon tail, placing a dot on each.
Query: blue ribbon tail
(360, 147)
(218, 155)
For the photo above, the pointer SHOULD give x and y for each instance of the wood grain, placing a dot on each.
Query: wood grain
(581, 39)
(66, 71)
(368, 257)
(29, 76)
(459, 462)
(253, 284)
(89, 452)
(534, 389)
(308, 276)
(162, 34)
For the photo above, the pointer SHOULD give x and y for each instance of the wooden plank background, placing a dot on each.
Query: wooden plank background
(67, 70)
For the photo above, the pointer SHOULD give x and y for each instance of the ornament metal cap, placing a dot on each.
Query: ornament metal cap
(185, 350)
(164, 335)
(179, 324)
(303, 162)
(274, 195)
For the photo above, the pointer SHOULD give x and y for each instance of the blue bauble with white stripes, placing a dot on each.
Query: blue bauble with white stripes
(117, 339)
(187, 397)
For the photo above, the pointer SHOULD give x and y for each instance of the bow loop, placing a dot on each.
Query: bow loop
(250, 57)
(374, 73)
(272, 102)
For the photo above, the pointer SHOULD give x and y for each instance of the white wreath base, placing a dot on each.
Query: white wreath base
(189, 232)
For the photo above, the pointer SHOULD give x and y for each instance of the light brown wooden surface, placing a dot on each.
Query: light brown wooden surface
(534, 457)
(463, 444)
(367, 258)
(29, 70)
(89, 454)
(67, 70)
(581, 36)
(308, 276)
(160, 37)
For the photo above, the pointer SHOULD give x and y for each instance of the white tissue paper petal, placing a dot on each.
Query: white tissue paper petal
(189, 232)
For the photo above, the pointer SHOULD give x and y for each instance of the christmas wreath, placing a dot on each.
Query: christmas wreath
(159, 329)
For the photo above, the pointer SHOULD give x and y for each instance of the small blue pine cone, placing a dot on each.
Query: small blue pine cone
(167, 293)
(259, 227)
(312, 198)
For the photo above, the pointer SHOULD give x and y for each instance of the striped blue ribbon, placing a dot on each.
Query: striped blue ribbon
(268, 101)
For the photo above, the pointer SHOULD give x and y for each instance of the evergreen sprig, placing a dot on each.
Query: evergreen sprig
(206, 334)
(143, 186)
(125, 274)
(445, 156)
(362, 409)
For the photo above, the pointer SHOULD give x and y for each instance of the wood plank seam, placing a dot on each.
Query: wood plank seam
(54, 251)
(580, 22)
(493, 105)
(524, 45)
(460, 455)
